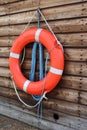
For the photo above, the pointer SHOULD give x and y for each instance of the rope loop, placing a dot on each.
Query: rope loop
(43, 97)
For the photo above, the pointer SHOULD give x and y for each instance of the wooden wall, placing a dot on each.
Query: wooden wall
(66, 107)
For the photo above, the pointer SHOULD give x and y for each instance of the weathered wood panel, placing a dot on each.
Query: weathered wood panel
(6, 41)
(71, 82)
(2, 2)
(67, 40)
(74, 82)
(56, 105)
(75, 54)
(70, 11)
(68, 20)
(4, 62)
(31, 120)
(4, 72)
(64, 119)
(76, 68)
(73, 96)
(79, 9)
(71, 54)
(71, 68)
(6, 82)
(66, 107)
(65, 26)
(73, 40)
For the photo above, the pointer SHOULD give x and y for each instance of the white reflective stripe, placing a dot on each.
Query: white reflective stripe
(27, 82)
(37, 35)
(14, 55)
(56, 71)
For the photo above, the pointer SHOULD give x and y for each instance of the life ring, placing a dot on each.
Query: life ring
(56, 61)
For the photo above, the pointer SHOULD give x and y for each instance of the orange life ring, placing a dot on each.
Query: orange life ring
(56, 61)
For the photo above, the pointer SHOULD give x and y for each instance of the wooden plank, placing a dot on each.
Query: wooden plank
(71, 68)
(71, 54)
(4, 51)
(69, 9)
(6, 82)
(65, 94)
(10, 110)
(60, 2)
(42, 2)
(73, 40)
(64, 119)
(68, 40)
(75, 54)
(62, 26)
(66, 107)
(55, 105)
(83, 111)
(2, 2)
(70, 82)
(4, 72)
(74, 82)
(4, 62)
(76, 68)
(6, 41)
(83, 96)
(18, 18)
(70, 95)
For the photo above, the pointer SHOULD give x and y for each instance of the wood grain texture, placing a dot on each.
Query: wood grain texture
(64, 119)
(74, 82)
(68, 12)
(65, 26)
(71, 68)
(67, 40)
(71, 54)
(70, 108)
(42, 2)
(2, 2)
(73, 96)
(68, 82)
(68, 20)
(22, 6)
(28, 118)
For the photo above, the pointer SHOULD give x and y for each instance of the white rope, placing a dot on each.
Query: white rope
(42, 97)
(23, 31)
(50, 29)
(29, 21)
(23, 57)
